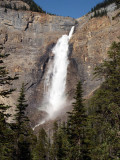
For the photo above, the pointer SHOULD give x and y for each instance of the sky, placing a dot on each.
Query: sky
(71, 8)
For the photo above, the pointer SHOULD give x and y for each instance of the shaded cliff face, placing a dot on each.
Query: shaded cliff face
(29, 37)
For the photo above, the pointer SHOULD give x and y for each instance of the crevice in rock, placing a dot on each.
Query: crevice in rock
(30, 86)
(30, 21)
(8, 24)
(6, 38)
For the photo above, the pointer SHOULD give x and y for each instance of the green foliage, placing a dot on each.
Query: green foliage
(99, 13)
(77, 123)
(6, 133)
(33, 6)
(104, 4)
(40, 151)
(95, 134)
(90, 133)
(104, 117)
(20, 116)
(60, 146)
(69, 139)
(6, 139)
(54, 147)
(23, 133)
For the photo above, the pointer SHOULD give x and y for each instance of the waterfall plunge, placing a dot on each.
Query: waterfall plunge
(55, 79)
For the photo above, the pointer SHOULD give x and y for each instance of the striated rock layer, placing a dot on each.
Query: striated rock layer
(29, 37)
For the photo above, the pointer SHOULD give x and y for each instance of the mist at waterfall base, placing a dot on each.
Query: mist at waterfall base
(55, 98)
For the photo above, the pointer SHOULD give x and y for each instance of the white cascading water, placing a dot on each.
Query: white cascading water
(55, 79)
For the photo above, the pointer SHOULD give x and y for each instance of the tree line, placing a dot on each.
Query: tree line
(92, 131)
(104, 4)
(33, 6)
(99, 13)
(97, 9)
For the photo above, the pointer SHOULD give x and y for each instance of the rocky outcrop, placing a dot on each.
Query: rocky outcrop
(14, 4)
(29, 37)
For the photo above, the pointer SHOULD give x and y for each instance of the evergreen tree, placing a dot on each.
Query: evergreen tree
(33, 6)
(105, 106)
(6, 81)
(60, 146)
(76, 127)
(41, 149)
(6, 139)
(23, 133)
(105, 3)
(54, 145)
(6, 134)
(64, 144)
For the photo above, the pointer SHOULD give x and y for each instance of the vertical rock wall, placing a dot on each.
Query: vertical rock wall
(29, 37)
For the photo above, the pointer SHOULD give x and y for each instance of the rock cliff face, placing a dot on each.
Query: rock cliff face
(29, 37)
(17, 4)
(91, 42)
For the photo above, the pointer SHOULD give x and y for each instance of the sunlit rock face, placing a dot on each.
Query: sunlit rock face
(29, 39)
(90, 44)
(14, 4)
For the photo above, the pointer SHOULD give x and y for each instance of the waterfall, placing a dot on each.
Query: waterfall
(55, 79)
